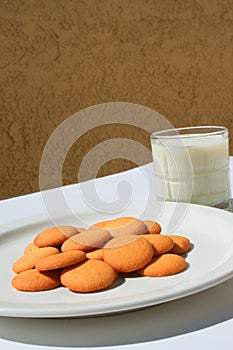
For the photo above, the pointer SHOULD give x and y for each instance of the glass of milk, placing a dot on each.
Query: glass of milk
(192, 165)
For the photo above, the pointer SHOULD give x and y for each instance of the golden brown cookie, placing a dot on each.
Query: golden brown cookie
(131, 256)
(153, 227)
(87, 240)
(60, 260)
(161, 243)
(28, 261)
(164, 265)
(125, 225)
(95, 254)
(181, 244)
(121, 240)
(35, 281)
(89, 276)
(30, 247)
(99, 224)
(54, 236)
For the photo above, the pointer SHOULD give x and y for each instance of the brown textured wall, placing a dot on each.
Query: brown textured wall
(60, 56)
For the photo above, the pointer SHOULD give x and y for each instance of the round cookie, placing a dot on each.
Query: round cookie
(153, 227)
(161, 243)
(164, 265)
(125, 225)
(181, 244)
(28, 261)
(87, 240)
(35, 281)
(60, 260)
(128, 257)
(95, 254)
(89, 276)
(121, 240)
(54, 236)
(99, 224)
(30, 247)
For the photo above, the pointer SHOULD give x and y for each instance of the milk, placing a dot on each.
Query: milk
(192, 169)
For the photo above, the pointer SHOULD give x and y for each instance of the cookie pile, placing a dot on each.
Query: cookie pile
(89, 260)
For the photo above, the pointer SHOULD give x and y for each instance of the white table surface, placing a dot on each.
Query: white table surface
(202, 320)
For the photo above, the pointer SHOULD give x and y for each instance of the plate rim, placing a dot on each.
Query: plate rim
(73, 310)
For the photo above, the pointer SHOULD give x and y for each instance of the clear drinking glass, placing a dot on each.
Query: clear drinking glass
(192, 165)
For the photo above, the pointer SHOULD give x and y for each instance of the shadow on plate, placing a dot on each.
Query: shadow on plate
(177, 317)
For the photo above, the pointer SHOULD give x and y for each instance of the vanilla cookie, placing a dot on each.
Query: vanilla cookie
(99, 224)
(181, 244)
(133, 255)
(60, 260)
(35, 281)
(28, 261)
(30, 247)
(54, 236)
(121, 240)
(153, 227)
(95, 254)
(164, 265)
(89, 276)
(87, 240)
(161, 243)
(125, 225)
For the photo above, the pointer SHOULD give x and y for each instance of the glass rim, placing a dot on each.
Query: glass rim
(174, 133)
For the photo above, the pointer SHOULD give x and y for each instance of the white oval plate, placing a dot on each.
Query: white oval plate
(210, 262)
